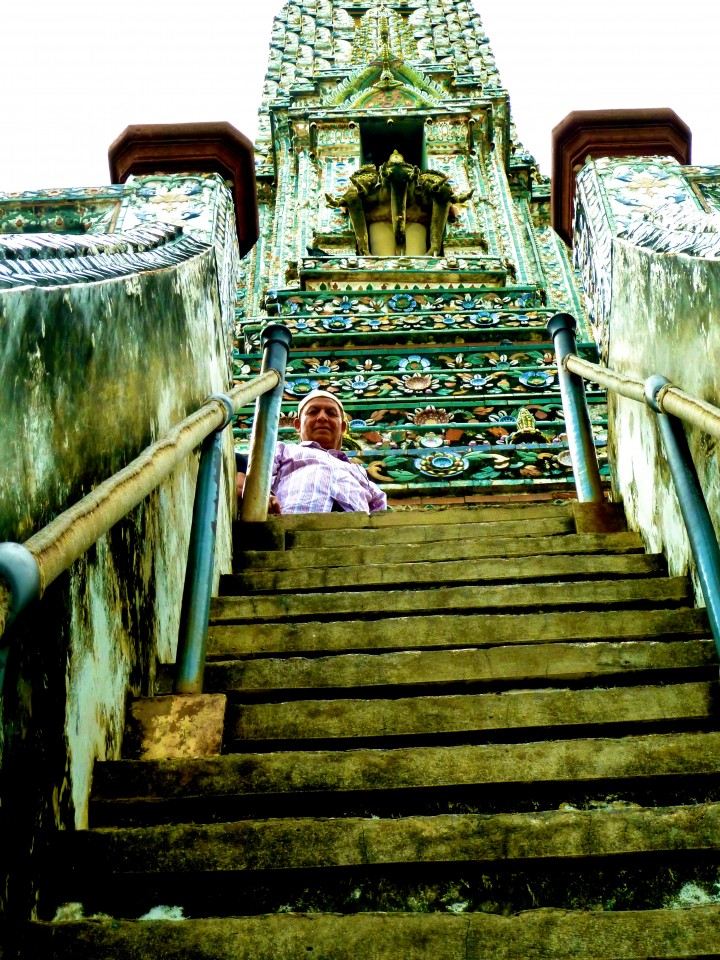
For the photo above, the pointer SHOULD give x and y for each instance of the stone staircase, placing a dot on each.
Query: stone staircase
(452, 734)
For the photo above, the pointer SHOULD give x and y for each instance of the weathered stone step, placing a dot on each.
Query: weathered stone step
(469, 714)
(585, 760)
(574, 567)
(479, 630)
(506, 664)
(475, 513)
(531, 935)
(341, 536)
(311, 843)
(437, 550)
(450, 599)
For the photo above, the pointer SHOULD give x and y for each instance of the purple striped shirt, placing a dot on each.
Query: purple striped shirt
(306, 478)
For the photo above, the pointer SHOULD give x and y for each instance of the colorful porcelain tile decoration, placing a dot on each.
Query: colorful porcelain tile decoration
(652, 202)
(406, 242)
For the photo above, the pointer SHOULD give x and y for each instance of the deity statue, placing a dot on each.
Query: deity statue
(392, 210)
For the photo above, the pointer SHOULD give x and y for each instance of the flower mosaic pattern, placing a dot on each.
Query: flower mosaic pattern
(403, 303)
(176, 200)
(434, 427)
(414, 363)
(433, 373)
(441, 465)
(433, 359)
(636, 188)
(301, 386)
(415, 321)
(287, 303)
(474, 468)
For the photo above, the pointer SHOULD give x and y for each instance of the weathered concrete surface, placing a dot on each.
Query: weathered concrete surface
(407, 633)
(423, 716)
(289, 843)
(336, 536)
(437, 550)
(664, 320)
(447, 571)
(475, 513)
(89, 375)
(190, 725)
(533, 935)
(450, 599)
(554, 662)
(598, 517)
(413, 526)
(653, 756)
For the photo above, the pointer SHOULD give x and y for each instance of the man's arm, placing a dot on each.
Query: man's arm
(241, 464)
(378, 500)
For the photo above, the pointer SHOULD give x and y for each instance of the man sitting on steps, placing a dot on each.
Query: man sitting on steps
(315, 475)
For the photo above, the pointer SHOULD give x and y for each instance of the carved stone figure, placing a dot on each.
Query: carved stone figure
(437, 193)
(398, 177)
(391, 209)
(363, 183)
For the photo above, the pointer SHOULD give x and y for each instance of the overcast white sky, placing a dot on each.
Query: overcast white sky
(76, 72)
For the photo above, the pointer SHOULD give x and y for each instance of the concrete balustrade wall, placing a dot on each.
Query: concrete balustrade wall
(89, 376)
(665, 319)
(647, 247)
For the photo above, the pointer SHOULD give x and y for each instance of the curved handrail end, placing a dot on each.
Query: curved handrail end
(20, 574)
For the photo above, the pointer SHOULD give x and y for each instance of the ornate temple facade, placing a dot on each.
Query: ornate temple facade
(406, 241)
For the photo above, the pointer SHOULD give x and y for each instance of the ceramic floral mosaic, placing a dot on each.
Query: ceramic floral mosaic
(431, 328)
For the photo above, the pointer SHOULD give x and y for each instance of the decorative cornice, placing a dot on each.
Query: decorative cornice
(50, 260)
(673, 229)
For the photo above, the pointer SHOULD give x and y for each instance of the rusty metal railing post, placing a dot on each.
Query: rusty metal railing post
(276, 340)
(700, 530)
(577, 419)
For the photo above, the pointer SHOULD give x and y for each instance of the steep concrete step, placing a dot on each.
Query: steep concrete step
(283, 724)
(304, 843)
(531, 935)
(450, 599)
(446, 571)
(340, 536)
(475, 513)
(507, 664)
(226, 640)
(300, 558)
(591, 762)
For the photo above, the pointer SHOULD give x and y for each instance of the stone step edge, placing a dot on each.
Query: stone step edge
(227, 640)
(324, 557)
(563, 662)
(620, 830)
(343, 605)
(286, 723)
(670, 934)
(529, 569)
(588, 760)
(479, 513)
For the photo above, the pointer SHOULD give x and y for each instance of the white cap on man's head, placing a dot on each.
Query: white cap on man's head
(314, 394)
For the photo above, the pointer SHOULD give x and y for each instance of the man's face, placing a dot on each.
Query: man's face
(322, 422)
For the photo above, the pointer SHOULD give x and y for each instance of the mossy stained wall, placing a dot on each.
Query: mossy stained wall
(89, 376)
(665, 319)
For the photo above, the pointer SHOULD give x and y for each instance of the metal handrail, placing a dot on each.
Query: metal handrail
(276, 344)
(671, 405)
(27, 569)
(670, 399)
(195, 611)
